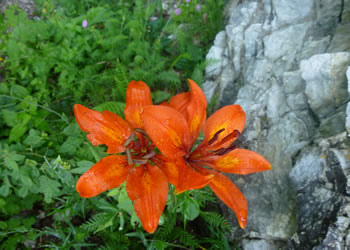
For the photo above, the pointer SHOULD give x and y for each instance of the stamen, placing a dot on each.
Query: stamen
(128, 156)
(139, 161)
(129, 140)
(150, 155)
(224, 151)
(216, 136)
(140, 131)
(237, 133)
(230, 136)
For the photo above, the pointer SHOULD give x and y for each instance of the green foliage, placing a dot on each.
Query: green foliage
(50, 63)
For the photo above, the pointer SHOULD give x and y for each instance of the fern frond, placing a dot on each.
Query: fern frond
(186, 238)
(169, 77)
(216, 220)
(165, 231)
(115, 107)
(95, 222)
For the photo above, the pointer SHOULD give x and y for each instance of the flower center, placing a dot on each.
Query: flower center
(139, 148)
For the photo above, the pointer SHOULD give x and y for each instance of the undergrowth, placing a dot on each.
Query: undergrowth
(51, 62)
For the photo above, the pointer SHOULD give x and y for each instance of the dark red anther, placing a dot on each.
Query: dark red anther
(216, 136)
(223, 151)
(236, 133)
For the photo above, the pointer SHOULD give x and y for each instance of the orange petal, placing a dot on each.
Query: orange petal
(107, 128)
(168, 130)
(180, 102)
(191, 177)
(228, 192)
(196, 110)
(108, 173)
(138, 95)
(169, 167)
(239, 161)
(165, 103)
(148, 187)
(229, 118)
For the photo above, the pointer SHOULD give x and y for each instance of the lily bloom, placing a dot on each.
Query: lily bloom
(146, 184)
(174, 129)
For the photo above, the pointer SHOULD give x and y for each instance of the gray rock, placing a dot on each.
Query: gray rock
(279, 44)
(328, 12)
(347, 122)
(326, 87)
(293, 11)
(340, 41)
(260, 244)
(292, 108)
(321, 186)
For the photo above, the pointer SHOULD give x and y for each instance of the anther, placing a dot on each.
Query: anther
(128, 156)
(236, 133)
(150, 155)
(140, 131)
(216, 136)
(223, 151)
(230, 136)
(129, 140)
(139, 161)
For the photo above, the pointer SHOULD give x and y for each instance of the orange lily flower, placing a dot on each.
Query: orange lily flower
(146, 184)
(174, 129)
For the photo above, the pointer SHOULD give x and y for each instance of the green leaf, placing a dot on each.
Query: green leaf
(26, 180)
(33, 139)
(83, 166)
(4, 190)
(124, 201)
(115, 107)
(9, 117)
(3, 225)
(3, 88)
(19, 91)
(114, 192)
(71, 145)
(160, 96)
(49, 188)
(191, 210)
(17, 132)
(11, 164)
(29, 104)
(23, 191)
(16, 157)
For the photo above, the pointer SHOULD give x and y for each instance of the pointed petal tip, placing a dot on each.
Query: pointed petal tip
(242, 223)
(151, 230)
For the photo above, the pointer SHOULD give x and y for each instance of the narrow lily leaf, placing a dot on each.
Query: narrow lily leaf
(228, 192)
(168, 130)
(107, 128)
(148, 187)
(230, 118)
(240, 161)
(138, 95)
(108, 173)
